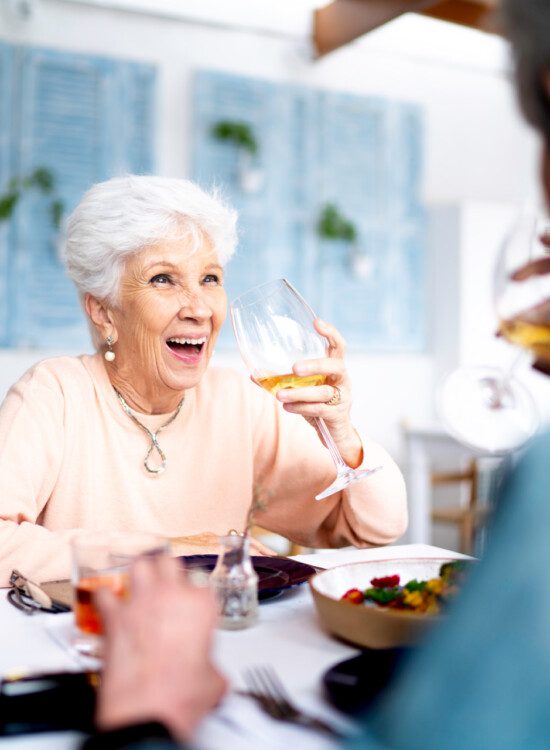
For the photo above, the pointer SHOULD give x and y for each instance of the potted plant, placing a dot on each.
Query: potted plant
(333, 225)
(40, 179)
(240, 134)
(237, 132)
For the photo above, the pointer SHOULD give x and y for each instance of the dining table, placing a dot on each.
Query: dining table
(287, 636)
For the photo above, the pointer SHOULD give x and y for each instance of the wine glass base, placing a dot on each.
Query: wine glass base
(344, 479)
(487, 410)
(87, 644)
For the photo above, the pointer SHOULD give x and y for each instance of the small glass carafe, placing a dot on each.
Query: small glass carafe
(235, 583)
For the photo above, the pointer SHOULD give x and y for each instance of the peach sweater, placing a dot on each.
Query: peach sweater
(71, 459)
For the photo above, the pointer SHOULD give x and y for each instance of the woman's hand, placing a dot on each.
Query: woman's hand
(313, 401)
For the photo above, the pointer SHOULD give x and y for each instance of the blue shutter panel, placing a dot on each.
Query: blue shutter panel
(272, 221)
(220, 96)
(371, 155)
(6, 171)
(408, 314)
(128, 108)
(61, 130)
(354, 179)
(85, 119)
(362, 154)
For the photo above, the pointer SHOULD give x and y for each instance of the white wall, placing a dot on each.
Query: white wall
(476, 147)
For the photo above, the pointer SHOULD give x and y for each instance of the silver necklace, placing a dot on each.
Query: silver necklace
(152, 435)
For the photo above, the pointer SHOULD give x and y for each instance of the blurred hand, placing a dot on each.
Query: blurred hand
(538, 314)
(311, 401)
(538, 267)
(157, 663)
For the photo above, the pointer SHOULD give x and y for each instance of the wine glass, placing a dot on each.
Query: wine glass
(487, 408)
(273, 326)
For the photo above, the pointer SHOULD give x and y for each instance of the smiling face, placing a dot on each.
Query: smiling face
(171, 308)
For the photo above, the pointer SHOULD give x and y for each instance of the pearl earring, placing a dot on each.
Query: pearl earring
(109, 354)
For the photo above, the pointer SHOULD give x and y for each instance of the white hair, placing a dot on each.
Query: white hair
(121, 216)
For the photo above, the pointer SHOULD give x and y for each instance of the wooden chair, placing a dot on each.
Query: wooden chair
(469, 517)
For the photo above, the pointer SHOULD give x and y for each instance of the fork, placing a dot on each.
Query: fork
(267, 690)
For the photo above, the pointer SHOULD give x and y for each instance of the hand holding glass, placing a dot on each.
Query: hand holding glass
(522, 286)
(484, 407)
(274, 329)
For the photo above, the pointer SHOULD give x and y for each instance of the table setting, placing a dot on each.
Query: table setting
(286, 653)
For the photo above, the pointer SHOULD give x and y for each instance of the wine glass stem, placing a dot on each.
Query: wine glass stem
(501, 385)
(512, 367)
(331, 445)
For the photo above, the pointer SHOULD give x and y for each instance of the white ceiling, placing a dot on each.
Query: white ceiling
(291, 17)
(419, 36)
(409, 35)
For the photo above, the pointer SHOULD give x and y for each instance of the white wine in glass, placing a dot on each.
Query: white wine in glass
(274, 329)
(486, 408)
(522, 286)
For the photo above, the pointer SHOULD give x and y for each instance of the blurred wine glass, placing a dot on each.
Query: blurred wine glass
(274, 329)
(487, 408)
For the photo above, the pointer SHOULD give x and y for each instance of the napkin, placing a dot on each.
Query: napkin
(62, 630)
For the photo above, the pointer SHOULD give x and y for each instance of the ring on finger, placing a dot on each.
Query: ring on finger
(336, 398)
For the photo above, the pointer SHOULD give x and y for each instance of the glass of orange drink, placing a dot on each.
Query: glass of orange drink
(102, 560)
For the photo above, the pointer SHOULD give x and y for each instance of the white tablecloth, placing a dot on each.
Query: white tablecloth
(286, 636)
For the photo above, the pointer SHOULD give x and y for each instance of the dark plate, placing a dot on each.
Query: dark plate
(275, 574)
(48, 703)
(351, 685)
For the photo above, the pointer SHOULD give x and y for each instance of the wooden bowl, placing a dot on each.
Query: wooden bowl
(372, 626)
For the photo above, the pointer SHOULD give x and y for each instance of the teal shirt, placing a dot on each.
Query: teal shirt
(482, 680)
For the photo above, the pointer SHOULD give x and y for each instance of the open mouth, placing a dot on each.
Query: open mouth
(186, 346)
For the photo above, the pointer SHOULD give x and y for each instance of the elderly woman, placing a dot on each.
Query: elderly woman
(144, 434)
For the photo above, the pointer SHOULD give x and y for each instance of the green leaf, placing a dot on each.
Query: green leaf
(332, 225)
(237, 132)
(455, 572)
(42, 179)
(415, 585)
(349, 231)
(383, 596)
(56, 211)
(7, 205)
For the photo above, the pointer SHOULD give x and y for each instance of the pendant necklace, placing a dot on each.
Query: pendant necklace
(152, 435)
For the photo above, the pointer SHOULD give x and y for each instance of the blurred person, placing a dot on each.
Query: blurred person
(482, 680)
(145, 435)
